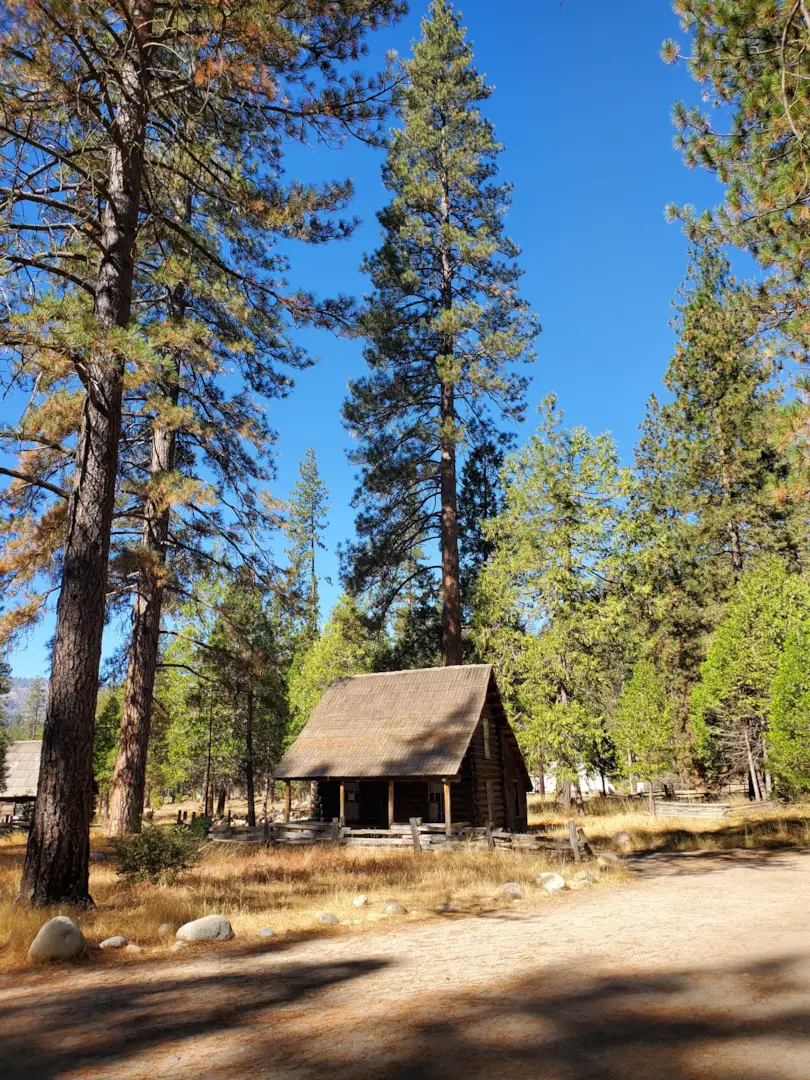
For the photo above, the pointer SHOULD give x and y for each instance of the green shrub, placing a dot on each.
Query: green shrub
(157, 854)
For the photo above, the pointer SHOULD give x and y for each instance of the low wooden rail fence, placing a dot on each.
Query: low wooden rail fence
(416, 835)
(692, 809)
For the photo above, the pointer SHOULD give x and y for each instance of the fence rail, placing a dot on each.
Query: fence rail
(416, 836)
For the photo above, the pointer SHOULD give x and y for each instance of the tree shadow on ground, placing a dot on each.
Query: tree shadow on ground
(299, 1021)
(686, 863)
(85, 1028)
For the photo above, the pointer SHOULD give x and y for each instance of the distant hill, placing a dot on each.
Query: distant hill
(15, 700)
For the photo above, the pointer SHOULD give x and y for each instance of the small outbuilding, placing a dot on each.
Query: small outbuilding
(18, 795)
(433, 744)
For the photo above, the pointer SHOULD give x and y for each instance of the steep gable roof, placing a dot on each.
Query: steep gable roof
(398, 723)
(22, 769)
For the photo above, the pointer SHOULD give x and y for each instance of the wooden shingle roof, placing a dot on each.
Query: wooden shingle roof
(22, 769)
(398, 723)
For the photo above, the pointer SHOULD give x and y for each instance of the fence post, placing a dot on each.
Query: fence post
(415, 822)
(489, 836)
(336, 829)
(572, 836)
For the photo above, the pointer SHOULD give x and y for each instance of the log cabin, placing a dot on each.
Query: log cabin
(432, 743)
(18, 794)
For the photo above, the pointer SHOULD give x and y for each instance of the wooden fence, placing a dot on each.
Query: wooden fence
(692, 809)
(415, 836)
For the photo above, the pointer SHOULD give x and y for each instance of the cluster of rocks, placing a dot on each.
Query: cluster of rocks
(61, 939)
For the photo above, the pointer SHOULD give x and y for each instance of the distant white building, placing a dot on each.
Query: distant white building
(589, 783)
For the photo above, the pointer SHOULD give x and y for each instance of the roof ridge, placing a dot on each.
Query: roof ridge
(414, 671)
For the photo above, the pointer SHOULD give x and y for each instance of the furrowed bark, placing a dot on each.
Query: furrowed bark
(129, 777)
(56, 866)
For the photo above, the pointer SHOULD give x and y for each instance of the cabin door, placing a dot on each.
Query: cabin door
(435, 802)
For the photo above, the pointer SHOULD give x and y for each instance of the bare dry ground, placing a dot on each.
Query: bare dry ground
(698, 966)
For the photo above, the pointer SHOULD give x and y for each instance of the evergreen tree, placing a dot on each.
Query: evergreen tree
(480, 499)
(549, 613)
(708, 470)
(103, 108)
(787, 738)
(643, 728)
(306, 522)
(5, 686)
(443, 326)
(348, 645)
(33, 713)
(732, 702)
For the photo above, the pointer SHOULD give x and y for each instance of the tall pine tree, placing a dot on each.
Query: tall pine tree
(306, 522)
(443, 326)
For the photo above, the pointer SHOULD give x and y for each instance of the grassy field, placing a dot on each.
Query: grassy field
(285, 888)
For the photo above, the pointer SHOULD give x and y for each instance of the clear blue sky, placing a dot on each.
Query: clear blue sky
(582, 105)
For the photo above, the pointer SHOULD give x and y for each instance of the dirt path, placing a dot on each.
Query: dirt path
(700, 967)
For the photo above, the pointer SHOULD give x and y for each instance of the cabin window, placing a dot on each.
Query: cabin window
(486, 737)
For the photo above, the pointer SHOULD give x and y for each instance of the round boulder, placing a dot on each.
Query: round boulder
(393, 907)
(165, 928)
(116, 942)
(511, 890)
(327, 918)
(551, 882)
(360, 901)
(265, 932)
(623, 840)
(58, 939)
(209, 928)
(133, 949)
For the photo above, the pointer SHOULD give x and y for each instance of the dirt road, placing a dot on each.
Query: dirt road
(700, 967)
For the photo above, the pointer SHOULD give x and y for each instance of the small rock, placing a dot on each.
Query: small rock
(511, 890)
(209, 928)
(447, 909)
(265, 932)
(133, 949)
(58, 939)
(178, 946)
(165, 928)
(582, 880)
(623, 840)
(393, 907)
(551, 882)
(360, 901)
(327, 917)
(607, 860)
(116, 942)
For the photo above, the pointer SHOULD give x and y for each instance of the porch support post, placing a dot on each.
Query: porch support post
(342, 804)
(287, 800)
(448, 828)
(390, 804)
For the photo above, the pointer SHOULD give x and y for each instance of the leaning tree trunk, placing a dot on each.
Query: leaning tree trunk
(251, 800)
(129, 777)
(57, 858)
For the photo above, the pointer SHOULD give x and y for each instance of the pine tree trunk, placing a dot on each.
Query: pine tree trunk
(57, 858)
(129, 777)
(451, 588)
(251, 802)
(451, 592)
(752, 769)
(221, 800)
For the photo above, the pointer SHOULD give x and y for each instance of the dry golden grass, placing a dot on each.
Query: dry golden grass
(282, 888)
(748, 825)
